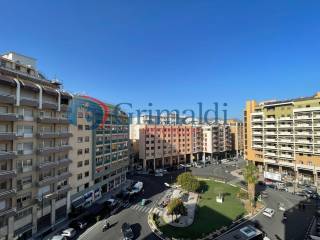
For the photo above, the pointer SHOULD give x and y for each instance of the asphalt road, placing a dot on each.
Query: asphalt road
(134, 214)
(293, 229)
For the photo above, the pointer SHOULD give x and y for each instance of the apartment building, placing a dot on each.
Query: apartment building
(283, 138)
(217, 141)
(34, 149)
(101, 155)
(163, 146)
(237, 139)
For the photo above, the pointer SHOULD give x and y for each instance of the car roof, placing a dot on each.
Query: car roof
(68, 230)
(57, 237)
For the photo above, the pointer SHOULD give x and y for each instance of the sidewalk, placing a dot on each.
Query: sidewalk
(63, 224)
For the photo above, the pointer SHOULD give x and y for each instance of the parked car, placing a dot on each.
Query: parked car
(143, 202)
(127, 231)
(69, 233)
(58, 237)
(268, 212)
(281, 207)
(111, 202)
(78, 224)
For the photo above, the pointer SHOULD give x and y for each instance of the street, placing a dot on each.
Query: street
(136, 215)
(133, 213)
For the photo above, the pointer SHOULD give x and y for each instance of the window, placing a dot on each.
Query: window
(86, 185)
(80, 127)
(86, 150)
(86, 174)
(79, 151)
(80, 139)
(80, 164)
(80, 114)
(79, 177)
(87, 127)
(86, 162)
(87, 138)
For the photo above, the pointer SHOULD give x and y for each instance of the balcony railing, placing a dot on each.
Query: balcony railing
(7, 155)
(7, 193)
(8, 117)
(8, 136)
(59, 120)
(7, 174)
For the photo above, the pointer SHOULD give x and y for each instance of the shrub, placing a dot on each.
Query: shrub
(188, 182)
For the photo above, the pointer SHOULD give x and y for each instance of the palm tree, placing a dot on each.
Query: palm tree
(251, 176)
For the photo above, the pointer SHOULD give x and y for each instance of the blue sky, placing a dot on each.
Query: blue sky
(171, 53)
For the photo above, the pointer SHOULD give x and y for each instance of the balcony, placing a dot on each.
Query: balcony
(286, 156)
(285, 126)
(7, 174)
(256, 120)
(286, 148)
(44, 135)
(268, 160)
(285, 133)
(48, 150)
(256, 126)
(270, 126)
(304, 133)
(271, 140)
(285, 140)
(302, 117)
(270, 147)
(65, 134)
(7, 193)
(8, 212)
(304, 166)
(65, 161)
(307, 150)
(7, 136)
(31, 102)
(47, 181)
(6, 155)
(49, 105)
(47, 165)
(272, 154)
(63, 175)
(64, 189)
(303, 125)
(285, 119)
(57, 120)
(256, 146)
(299, 141)
(7, 98)
(268, 133)
(8, 117)
(286, 163)
(270, 119)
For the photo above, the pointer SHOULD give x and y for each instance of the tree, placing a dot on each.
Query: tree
(188, 182)
(251, 175)
(176, 207)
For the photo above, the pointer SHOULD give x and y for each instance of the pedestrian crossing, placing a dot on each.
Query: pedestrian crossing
(141, 208)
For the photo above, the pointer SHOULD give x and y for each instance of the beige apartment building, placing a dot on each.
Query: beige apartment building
(164, 146)
(237, 138)
(100, 154)
(34, 149)
(283, 139)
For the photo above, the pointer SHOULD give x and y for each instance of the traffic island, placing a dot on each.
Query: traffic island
(210, 217)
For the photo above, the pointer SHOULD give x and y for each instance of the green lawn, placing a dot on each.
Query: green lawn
(210, 214)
